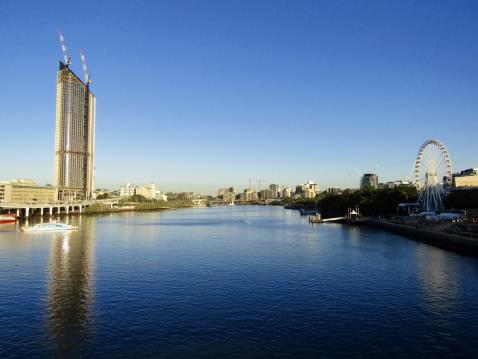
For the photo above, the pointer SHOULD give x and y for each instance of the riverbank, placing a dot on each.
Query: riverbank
(139, 206)
(457, 237)
(125, 209)
(460, 243)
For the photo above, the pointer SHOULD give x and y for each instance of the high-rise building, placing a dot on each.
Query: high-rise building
(275, 191)
(250, 195)
(286, 193)
(265, 194)
(74, 137)
(369, 181)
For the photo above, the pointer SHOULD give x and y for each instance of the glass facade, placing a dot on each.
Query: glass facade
(74, 139)
(369, 181)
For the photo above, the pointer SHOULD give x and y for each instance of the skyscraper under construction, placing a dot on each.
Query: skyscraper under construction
(75, 135)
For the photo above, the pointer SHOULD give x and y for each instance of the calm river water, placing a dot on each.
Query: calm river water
(231, 282)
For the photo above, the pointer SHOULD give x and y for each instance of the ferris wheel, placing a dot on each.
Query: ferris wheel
(432, 174)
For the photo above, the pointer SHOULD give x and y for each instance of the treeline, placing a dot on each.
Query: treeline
(464, 199)
(381, 202)
(141, 202)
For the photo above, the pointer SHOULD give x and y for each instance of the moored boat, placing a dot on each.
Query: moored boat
(50, 227)
(8, 218)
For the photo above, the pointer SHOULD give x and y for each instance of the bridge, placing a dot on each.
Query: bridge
(53, 208)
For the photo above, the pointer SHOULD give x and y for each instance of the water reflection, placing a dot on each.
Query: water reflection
(438, 273)
(70, 299)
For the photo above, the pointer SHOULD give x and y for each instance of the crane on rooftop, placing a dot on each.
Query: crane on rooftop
(63, 49)
(85, 68)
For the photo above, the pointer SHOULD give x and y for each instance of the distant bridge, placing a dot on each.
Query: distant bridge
(53, 208)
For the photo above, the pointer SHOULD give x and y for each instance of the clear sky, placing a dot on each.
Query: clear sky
(195, 95)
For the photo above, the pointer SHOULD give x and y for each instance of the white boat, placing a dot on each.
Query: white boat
(50, 227)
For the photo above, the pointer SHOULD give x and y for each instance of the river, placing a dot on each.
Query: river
(240, 281)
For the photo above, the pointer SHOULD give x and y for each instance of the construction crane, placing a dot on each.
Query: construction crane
(86, 124)
(85, 69)
(63, 49)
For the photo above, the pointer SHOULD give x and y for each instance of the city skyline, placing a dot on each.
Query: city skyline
(198, 111)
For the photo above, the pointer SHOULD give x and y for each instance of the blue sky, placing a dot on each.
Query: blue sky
(194, 95)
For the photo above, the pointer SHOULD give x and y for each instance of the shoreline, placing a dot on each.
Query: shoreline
(119, 210)
(97, 212)
(453, 242)
(462, 244)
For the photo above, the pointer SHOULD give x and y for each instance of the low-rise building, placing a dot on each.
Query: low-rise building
(307, 190)
(334, 190)
(465, 179)
(147, 191)
(227, 194)
(160, 196)
(127, 190)
(26, 191)
(394, 184)
(187, 195)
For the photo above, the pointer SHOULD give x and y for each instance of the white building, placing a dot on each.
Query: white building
(311, 185)
(148, 191)
(286, 193)
(307, 190)
(127, 190)
(308, 193)
(275, 191)
(394, 184)
(160, 196)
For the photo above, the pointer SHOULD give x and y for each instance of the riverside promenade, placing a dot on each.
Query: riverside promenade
(463, 241)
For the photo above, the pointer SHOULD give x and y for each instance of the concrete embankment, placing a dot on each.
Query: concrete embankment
(457, 243)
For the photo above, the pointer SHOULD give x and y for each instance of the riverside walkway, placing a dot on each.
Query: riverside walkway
(24, 210)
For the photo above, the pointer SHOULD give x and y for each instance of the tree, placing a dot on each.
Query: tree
(138, 198)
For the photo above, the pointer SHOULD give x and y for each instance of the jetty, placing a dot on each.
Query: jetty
(317, 218)
(353, 216)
